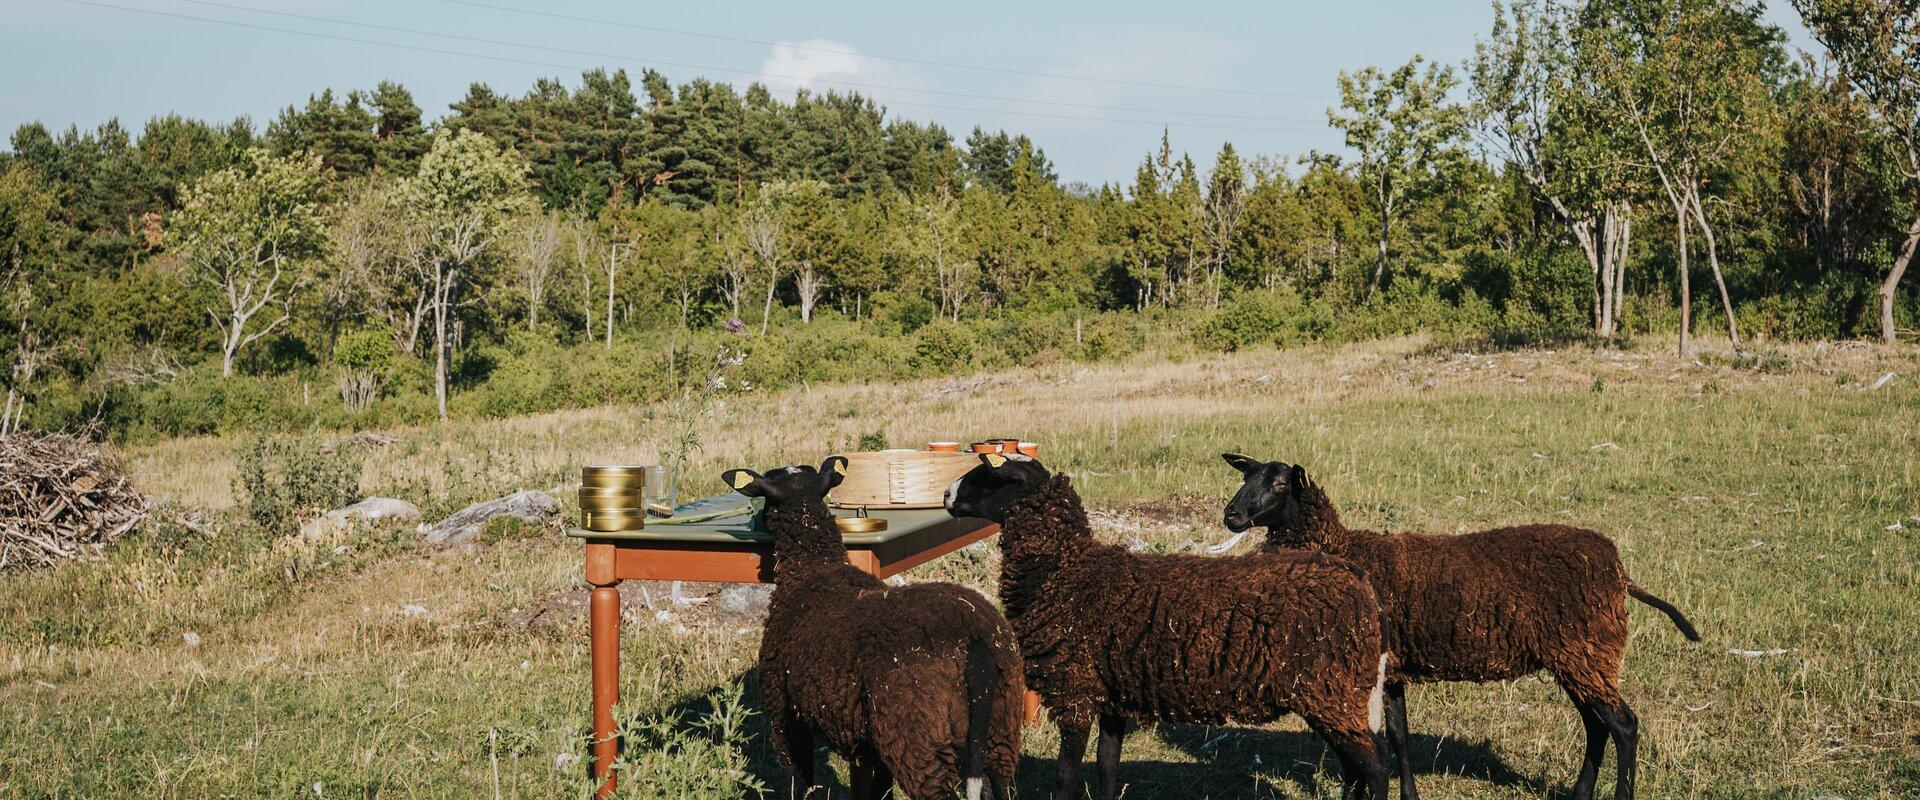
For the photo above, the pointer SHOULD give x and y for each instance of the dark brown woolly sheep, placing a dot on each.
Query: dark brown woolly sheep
(903, 680)
(1111, 635)
(1486, 606)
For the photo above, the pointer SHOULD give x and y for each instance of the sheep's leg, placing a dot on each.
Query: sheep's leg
(869, 778)
(882, 786)
(1597, 733)
(1626, 744)
(1073, 748)
(1361, 775)
(1397, 732)
(799, 750)
(1113, 729)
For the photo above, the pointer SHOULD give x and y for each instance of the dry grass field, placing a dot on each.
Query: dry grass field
(1774, 497)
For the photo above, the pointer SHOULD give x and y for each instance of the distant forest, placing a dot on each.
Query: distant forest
(1595, 170)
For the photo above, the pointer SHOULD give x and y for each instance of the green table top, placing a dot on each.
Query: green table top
(739, 529)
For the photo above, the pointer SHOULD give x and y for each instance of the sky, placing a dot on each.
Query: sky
(1094, 83)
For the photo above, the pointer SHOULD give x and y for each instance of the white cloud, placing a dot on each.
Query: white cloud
(1165, 57)
(822, 64)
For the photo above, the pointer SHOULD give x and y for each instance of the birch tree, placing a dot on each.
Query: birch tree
(763, 227)
(1536, 110)
(1686, 78)
(1877, 46)
(536, 254)
(245, 231)
(1406, 135)
(586, 246)
(1222, 212)
(466, 190)
(932, 240)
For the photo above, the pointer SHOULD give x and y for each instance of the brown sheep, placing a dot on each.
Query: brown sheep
(904, 680)
(1111, 635)
(1486, 606)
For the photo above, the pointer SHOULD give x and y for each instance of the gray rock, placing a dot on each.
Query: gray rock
(371, 511)
(743, 602)
(529, 506)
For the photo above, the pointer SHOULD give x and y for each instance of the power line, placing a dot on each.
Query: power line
(709, 68)
(577, 67)
(902, 59)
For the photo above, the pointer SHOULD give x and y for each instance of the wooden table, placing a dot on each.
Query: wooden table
(730, 551)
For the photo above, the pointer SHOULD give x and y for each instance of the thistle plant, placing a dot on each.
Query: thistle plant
(698, 402)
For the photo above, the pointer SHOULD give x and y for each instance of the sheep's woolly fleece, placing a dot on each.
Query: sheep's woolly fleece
(863, 665)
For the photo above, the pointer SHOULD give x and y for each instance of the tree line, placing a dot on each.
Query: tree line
(1595, 168)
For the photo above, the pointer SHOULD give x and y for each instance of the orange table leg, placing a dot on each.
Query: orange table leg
(603, 625)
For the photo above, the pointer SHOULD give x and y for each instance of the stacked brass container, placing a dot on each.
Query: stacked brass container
(613, 497)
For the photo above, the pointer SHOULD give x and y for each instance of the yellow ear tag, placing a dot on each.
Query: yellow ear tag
(839, 467)
(742, 480)
(996, 460)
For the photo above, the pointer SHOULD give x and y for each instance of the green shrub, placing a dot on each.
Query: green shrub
(903, 312)
(283, 479)
(942, 348)
(1255, 318)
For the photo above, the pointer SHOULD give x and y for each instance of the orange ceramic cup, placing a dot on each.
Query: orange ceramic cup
(943, 447)
(984, 447)
(1029, 449)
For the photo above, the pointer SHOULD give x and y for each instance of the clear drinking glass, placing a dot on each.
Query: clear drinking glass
(658, 491)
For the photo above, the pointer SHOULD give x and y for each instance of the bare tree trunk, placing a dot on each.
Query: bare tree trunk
(1386, 234)
(613, 271)
(1686, 287)
(444, 276)
(1616, 230)
(807, 284)
(1713, 260)
(773, 282)
(1890, 288)
(1620, 265)
(1380, 266)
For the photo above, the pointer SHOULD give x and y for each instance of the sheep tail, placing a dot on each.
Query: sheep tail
(983, 682)
(1679, 619)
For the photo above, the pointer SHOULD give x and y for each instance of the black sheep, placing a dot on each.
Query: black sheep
(903, 680)
(1110, 635)
(1486, 606)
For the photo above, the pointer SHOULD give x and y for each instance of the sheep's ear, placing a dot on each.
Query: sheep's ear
(1297, 480)
(835, 468)
(744, 481)
(1246, 464)
(994, 460)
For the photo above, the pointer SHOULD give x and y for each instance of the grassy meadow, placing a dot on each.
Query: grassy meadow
(1773, 497)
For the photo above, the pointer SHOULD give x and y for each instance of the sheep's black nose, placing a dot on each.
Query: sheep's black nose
(1237, 522)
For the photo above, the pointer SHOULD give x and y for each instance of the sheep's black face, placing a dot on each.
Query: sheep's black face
(795, 484)
(1269, 494)
(991, 489)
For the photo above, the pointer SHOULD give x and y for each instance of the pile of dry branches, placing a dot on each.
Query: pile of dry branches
(59, 496)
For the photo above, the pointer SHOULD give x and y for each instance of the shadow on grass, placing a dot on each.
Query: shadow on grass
(1230, 757)
(1227, 761)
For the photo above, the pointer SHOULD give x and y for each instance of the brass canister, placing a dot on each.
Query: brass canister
(614, 476)
(600, 498)
(860, 524)
(611, 521)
